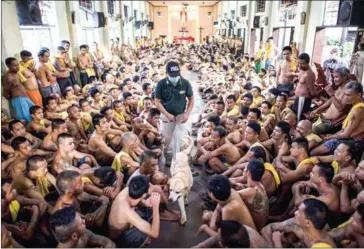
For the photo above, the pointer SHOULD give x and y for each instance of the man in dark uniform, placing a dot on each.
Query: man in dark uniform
(172, 95)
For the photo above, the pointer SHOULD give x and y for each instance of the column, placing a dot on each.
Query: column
(314, 18)
(11, 40)
(64, 20)
(301, 30)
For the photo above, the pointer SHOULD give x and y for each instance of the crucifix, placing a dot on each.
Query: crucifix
(201, 28)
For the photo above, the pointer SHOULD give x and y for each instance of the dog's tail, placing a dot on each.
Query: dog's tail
(188, 150)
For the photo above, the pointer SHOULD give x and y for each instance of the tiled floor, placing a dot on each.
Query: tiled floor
(172, 233)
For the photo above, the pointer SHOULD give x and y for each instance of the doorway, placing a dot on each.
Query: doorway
(255, 39)
(282, 36)
(328, 37)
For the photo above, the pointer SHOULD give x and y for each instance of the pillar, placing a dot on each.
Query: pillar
(11, 41)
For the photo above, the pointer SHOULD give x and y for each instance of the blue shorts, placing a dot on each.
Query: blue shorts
(22, 106)
(81, 161)
(358, 146)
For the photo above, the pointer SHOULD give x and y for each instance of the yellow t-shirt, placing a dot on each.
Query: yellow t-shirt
(313, 136)
(321, 245)
(348, 118)
(256, 101)
(232, 112)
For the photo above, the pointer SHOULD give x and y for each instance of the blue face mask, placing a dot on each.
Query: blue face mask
(174, 80)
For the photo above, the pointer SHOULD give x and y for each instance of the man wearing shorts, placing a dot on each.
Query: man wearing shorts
(353, 125)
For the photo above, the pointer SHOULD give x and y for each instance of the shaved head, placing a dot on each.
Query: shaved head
(127, 138)
(304, 127)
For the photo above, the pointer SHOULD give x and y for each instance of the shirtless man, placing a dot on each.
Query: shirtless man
(68, 60)
(308, 225)
(203, 134)
(221, 154)
(305, 89)
(320, 181)
(23, 151)
(14, 90)
(59, 126)
(149, 167)
(280, 108)
(27, 69)
(286, 71)
(36, 182)
(67, 158)
(70, 231)
(46, 77)
(342, 159)
(353, 231)
(127, 160)
(304, 129)
(234, 234)
(97, 53)
(54, 110)
(17, 129)
(71, 193)
(254, 195)
(147, 105)
(97, 145)
(234, 135)
(74, 127)
(254, 115)
(104, 181)
(353, 125)
(119, 114)
(26, 206)
(85, 65)
(114, 132)
(333, 112)
(38, 126)
(63, 72)
(152, 136)
(128, 224)
(140, 127)
(280, 141)
(97, 102)
(230, 206)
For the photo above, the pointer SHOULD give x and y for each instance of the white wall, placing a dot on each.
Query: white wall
(12, 43)
(304, 34)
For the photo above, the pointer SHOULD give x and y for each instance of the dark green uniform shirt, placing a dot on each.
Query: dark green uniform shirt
(174, 98)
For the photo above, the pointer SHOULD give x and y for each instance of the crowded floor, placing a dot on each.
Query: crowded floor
(182, 144)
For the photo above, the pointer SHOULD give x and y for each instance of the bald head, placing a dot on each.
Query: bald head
(291, 119)
(159, 178)
(304, 127)
(127, 138)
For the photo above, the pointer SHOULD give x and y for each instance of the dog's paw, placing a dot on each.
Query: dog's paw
(183, 219)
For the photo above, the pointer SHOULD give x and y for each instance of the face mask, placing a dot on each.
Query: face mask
(174, 80)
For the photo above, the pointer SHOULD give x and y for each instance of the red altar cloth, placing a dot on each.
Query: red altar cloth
(184, 38)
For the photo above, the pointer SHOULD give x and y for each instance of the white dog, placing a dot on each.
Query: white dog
(181, 181)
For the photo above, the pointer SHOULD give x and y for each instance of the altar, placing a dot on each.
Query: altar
(182, 39)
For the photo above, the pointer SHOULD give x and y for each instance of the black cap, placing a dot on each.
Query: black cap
(173, 69)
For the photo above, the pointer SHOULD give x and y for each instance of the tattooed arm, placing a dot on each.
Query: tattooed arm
(353, 125)
(95, 240)
(285, 226)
